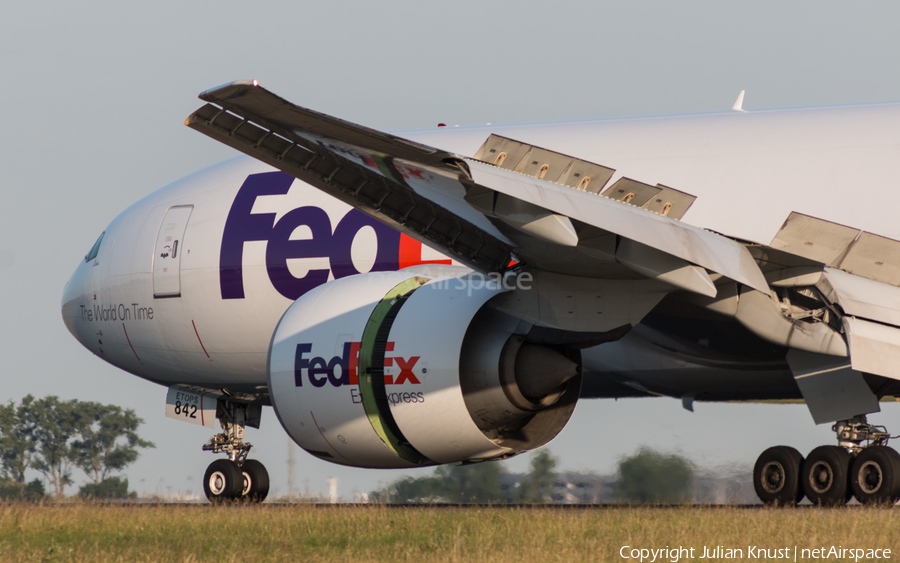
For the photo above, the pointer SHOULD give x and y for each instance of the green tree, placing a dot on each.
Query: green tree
(476, 482)
(411, 490)
(106, 439)
(17, 445)
(11, 490)
(470, 483)
(111, 488)
(536, 486)
(55, 422)
(654, 477)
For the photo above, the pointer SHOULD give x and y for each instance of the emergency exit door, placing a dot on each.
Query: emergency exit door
(169, 247)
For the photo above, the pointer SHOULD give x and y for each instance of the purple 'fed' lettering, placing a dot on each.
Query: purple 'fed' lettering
(243, 226)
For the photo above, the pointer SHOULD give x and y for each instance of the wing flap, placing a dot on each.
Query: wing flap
(871, 320)
(853, 250)
(862, 297)
(832, 388)
(546, 164)
(692, 244)
(874, 347)
(813, 238)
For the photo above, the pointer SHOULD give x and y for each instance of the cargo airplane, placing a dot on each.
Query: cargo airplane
(449, 295)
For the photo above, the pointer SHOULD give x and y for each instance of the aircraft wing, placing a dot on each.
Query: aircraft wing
(484, 215)
(833, 300)
(360, 166)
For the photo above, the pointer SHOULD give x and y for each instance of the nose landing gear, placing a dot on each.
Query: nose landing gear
(255, 481)
(861, 466)
(236, 478)
(223, 481)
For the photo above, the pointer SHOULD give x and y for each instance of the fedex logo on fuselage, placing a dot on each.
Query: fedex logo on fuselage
(394, 250)
(343, 370)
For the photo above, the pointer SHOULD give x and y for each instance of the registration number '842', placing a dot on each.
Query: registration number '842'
(188, 411)
(192, 405)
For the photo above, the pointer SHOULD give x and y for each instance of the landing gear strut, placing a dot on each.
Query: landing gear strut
(861, 466)
(235, 478)
(875, 469)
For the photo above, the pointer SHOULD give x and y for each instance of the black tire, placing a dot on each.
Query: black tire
(826, 476)
(223, 481)
(255, 481)
(776, 476)
(875, 476)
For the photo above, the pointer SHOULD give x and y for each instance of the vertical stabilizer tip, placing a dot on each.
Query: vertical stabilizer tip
(739, 103)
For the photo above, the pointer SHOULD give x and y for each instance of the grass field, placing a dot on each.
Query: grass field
(83, 532)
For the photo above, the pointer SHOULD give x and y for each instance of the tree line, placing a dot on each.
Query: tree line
(646, 477)
(478, 483)
(55, 437)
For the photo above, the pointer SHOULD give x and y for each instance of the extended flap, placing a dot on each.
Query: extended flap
(832, 389)
(862, 297)
(814, 238)
(874, 347)
(692, 244)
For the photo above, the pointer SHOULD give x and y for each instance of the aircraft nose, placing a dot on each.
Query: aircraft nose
(75, 298)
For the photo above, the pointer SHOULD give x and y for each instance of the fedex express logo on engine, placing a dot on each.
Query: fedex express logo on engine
(333, 246)
(343, 370)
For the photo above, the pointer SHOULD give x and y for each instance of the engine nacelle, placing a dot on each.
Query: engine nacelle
(403, 369)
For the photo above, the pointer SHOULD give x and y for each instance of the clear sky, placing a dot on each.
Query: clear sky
(95, 93)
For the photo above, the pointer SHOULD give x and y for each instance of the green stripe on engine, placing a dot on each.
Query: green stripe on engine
(371, 372)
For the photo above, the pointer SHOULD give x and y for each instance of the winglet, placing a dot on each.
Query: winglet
(739, 103)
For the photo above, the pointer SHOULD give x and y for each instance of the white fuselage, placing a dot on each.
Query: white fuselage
(242, 260)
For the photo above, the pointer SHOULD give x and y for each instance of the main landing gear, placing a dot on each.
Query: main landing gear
(832, 475)
(236, 478)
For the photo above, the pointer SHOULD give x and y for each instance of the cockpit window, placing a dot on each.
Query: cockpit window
(94, 249)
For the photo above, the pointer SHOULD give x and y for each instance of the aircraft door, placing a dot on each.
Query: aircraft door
(167, 255)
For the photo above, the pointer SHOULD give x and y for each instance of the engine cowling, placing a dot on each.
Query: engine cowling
(404, 369)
